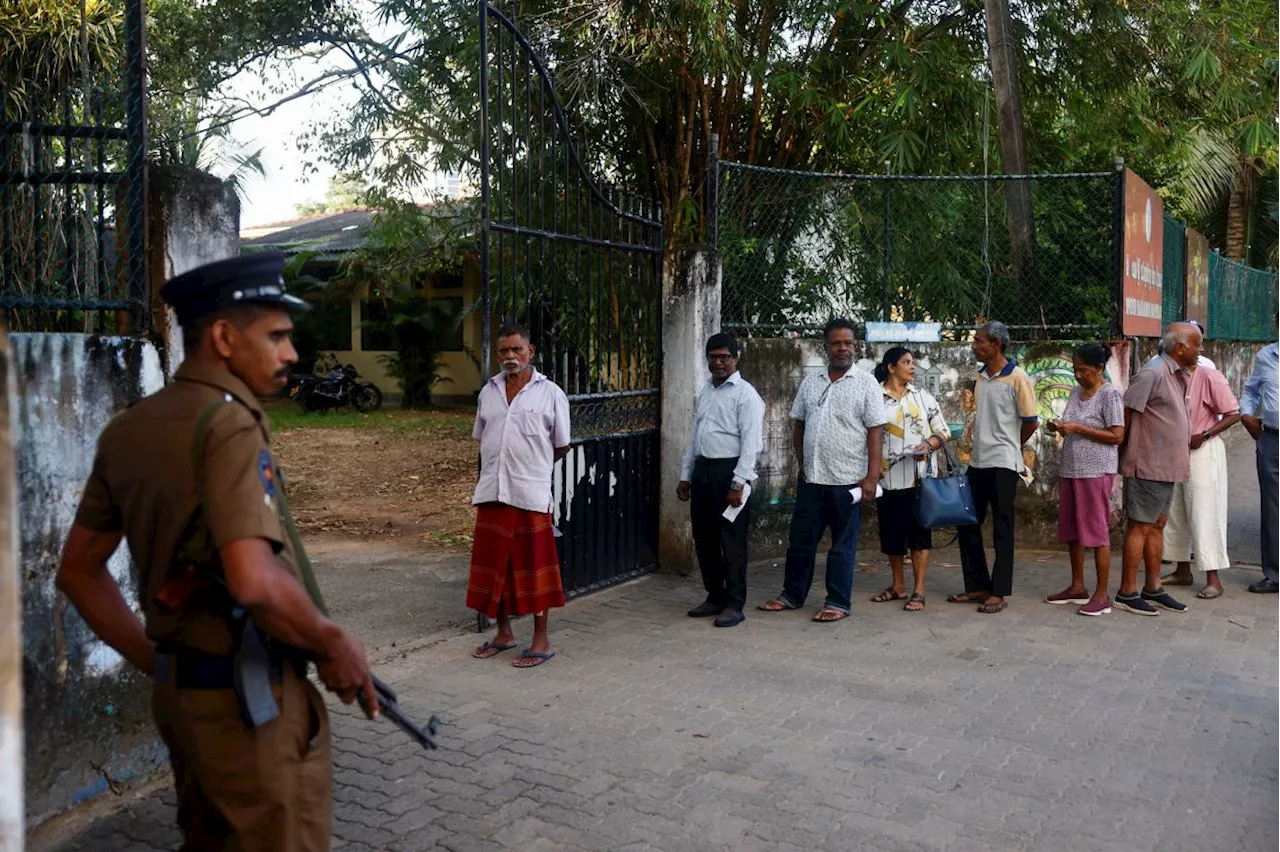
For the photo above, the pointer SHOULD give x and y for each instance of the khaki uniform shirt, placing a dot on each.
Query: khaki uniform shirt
(144, 485)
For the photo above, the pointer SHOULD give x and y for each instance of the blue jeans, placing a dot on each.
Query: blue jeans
(818, 508)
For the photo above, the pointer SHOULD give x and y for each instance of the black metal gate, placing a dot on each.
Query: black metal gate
(73, 184)
(580, 264)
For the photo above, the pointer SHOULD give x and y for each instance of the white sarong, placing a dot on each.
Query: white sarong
(1198, 517)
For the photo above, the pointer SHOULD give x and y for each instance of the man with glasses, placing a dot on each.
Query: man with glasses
(838, 416)
(1261, 407)
(716, 473)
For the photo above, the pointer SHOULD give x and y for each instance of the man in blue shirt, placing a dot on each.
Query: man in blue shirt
(1260, 406)
(716, 474)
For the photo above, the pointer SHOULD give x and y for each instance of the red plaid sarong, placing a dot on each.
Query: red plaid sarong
(514, 566)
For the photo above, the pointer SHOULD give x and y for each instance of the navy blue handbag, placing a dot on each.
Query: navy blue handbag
(946, 500)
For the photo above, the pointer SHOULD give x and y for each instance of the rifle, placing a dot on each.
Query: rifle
(425, 736)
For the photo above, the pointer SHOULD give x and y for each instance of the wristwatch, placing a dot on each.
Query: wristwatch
(735, 486)
(1205, 435)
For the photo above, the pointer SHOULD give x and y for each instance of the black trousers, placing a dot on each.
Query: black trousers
(993, 488)
(721, 546)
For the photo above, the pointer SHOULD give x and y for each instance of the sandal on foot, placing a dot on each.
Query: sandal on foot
(889, 594)
(481, 653)
(992, 607)
(1208, 593)
(531, 659)
(914, 599)
(774, 605)
(968, 598)
(827, 615)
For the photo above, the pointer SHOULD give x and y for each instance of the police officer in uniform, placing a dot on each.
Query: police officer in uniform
(186, 476)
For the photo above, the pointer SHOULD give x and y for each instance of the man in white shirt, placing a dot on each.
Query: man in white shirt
(839, 415)
(718, 467)
(522, 424)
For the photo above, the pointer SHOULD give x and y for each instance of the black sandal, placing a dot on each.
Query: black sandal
(915, 598)
(889, 594)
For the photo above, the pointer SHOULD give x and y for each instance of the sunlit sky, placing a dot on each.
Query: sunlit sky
(272, 198)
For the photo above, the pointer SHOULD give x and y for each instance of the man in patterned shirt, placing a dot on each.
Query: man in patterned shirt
(838, 416)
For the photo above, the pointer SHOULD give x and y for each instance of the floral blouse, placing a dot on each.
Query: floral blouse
(910, 422)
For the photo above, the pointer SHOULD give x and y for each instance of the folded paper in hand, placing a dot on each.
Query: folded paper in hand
(732, 512)
(856, 491)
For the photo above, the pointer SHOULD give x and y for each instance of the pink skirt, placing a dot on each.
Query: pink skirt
(1084, 511)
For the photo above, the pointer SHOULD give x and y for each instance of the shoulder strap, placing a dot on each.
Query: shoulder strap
(202, 434)
(286, 517)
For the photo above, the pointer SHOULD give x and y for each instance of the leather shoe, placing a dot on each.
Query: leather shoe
(730, 618)
(1265, 586)
(705, 609)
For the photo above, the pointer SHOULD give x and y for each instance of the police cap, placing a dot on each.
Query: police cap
(248, 279)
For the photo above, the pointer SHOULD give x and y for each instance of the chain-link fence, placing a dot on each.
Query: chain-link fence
(1037, 252)
(1242, 301)
(72, 192)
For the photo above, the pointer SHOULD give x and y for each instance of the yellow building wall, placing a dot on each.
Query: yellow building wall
(462, 373)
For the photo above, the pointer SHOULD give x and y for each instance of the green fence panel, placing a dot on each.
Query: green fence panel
(1242, 301)
(1175, 270)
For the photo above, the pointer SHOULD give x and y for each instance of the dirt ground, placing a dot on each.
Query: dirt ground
(394, 474)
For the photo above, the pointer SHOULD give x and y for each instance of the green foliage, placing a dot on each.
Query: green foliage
(407, 248)
(344, 193)
(828, 85)
(417, 325)
(47, 46)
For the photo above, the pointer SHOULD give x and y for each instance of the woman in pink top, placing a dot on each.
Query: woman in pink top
(1092, 427)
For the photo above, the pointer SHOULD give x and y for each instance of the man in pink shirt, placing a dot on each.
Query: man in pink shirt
(522, 424)
(1198, 516)
(1155, 457)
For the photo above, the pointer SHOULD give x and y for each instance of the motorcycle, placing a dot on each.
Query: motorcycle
(335, 389)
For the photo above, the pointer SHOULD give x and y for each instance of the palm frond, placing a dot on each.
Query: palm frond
(1208, 165)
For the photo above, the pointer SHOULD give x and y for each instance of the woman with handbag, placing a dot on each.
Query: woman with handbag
(1092, 426)
(914, 430)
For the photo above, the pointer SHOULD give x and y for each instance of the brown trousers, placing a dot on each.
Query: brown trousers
(268, 789)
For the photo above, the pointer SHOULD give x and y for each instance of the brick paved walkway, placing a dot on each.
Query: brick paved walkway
(1033, 729)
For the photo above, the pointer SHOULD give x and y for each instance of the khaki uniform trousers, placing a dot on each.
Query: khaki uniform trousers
(264, 790)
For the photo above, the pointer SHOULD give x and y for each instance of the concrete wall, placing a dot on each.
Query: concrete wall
(87, 719)
(11, 768)
(690, 314)
(194, 220)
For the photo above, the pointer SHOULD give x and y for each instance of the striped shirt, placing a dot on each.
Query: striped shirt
(1262, 390)
(728, 423)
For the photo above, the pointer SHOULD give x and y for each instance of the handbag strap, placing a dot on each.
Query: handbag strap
(953, 467)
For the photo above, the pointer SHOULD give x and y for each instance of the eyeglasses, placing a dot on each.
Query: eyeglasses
(721, 357)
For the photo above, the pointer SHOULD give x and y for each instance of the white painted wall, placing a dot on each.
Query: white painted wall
(11, 768)
(690, 314)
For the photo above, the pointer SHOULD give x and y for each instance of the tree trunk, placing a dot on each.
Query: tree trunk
(1239, 206)
(1013, 143)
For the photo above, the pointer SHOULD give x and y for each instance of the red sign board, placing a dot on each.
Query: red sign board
(1143, 258)
(1197, 260)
